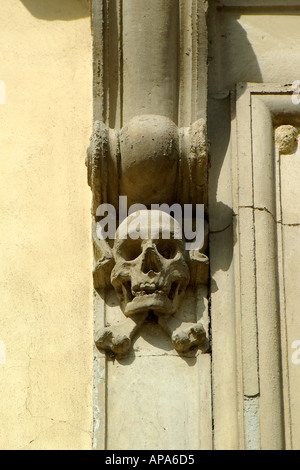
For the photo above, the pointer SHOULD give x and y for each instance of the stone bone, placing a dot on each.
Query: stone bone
(185, 336)
(117, 339)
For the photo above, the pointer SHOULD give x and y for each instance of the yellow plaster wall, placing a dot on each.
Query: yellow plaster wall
(45, 250)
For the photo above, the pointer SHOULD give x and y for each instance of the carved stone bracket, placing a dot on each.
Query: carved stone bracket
(151, 161)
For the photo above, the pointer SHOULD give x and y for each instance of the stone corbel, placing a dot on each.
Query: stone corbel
(151, 161)
(123, 162)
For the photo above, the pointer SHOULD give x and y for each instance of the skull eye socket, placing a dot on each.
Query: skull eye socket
(167, 248)
(131, 249)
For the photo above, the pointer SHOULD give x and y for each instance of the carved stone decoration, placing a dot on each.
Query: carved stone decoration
(150, 275)
(286, 139)
(150, 161)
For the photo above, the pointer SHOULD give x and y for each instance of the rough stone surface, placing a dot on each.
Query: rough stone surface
(287, 139)
(149, 146)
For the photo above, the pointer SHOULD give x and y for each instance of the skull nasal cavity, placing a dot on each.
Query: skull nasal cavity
(150, 262)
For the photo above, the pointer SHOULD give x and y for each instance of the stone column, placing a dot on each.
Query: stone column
(150, 58)
(152, 354)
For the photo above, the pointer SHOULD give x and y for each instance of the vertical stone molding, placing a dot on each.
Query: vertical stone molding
(149, 146)
(267, 218)
(150, 58)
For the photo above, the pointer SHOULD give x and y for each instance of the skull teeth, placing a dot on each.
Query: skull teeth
(147, 288)
(140, 293)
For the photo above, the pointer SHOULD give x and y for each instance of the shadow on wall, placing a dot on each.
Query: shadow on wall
(239, 62)
(234, 48)
(51, 10)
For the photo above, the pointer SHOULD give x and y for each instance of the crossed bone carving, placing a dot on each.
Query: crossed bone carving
(150, 276)
(118, 339)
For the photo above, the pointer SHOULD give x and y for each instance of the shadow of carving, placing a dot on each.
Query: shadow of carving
(51, 10)
(220, 114)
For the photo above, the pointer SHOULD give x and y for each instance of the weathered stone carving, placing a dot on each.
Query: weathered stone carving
(286, 138)
(150, 275)
(151, 161)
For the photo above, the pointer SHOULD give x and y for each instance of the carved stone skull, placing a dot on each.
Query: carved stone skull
(150, 272)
